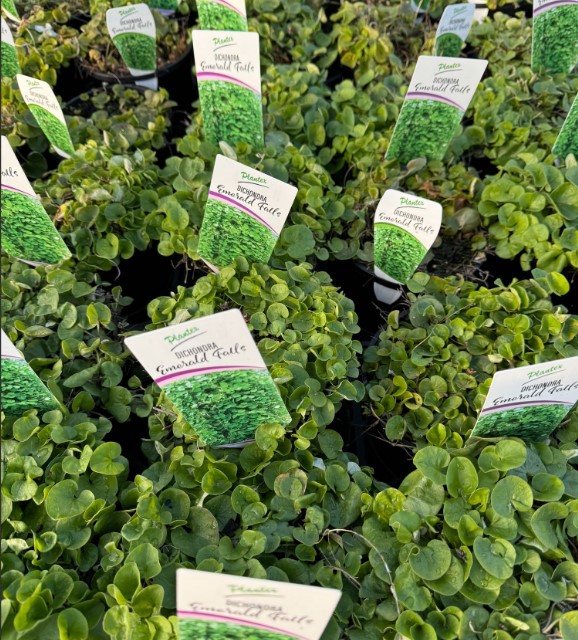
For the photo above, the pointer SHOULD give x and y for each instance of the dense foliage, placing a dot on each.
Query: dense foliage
(107, 489)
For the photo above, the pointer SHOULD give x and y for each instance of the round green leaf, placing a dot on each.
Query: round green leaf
(107, 459)
(496, 556)
(64, 500)
(432, 561)
(511, 494)
(72, 625)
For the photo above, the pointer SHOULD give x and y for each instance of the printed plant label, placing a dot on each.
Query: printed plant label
(481, 9)
(453, 29)
(9, 62)
(529, 402)
(28, 233)
(244, 214)
(210, 368)
(567, 141)
(164, 7)
(42, 102)
(439, 93)
(555, 36)
(229, 78)
(11, 11)
(21, 389)
(133, 32)
(222, 15)
(405, 227)
(215, 606)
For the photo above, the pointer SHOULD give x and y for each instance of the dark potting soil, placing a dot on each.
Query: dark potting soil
(454, 256)
(130, 436)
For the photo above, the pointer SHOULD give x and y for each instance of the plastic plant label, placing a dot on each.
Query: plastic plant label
(405, 227)
(229, 78)
(9, 63)
(10, 8)
(439, 93)
(133, 32)
(529, 402)
(28, 233)
(21, 389)
(42, 102)
(453, 29)
(481, 9)
(217, 606)
(211, 370)
(222, 15)
(567, 141)
(244, 214)
(555, 36)
(164, 7)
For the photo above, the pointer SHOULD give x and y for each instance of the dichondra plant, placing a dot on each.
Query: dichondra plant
(55, 130)
(137, 50)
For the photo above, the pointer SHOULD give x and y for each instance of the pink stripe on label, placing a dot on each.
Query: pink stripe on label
(503, 407)
(255, 625)
(238, 205)
(189, 373)
(24, 193)
(551, 5)
(210, 75)
(432, 96)
(229, 6)
(12, 357)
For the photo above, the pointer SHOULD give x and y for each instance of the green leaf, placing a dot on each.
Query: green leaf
(511, 494)
(147, 560)
(107, 459)
(569, 625)
(432, 462)
(64, 500)
(72, 625)
(497, 556)
(432, 561)
(462, 477)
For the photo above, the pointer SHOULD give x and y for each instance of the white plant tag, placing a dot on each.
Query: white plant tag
(244, 214)
(481, 11)
(453, 29)
(9, 64)
(229, 77)
(211, 370)
(215, 604)
(405, 227)
(222, 15)
(529, 402)
(21, 388)
(133, 32)
(28, 233)
(439, 93)
(45, 108)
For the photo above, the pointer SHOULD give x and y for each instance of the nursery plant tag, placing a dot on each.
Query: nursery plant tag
(10, 8)
(42, 102)
(405, 227)
(244, 214)
(27, 230)
(133, 31)
(567, 141)
(439, 93)
(9, 63)
(229, 78)
(529, 402)
(222, 15)
(216, 605)
(481, 9)
(555, 36)
(164, 7)
(21, 389)
(211, 370)
(453, 29)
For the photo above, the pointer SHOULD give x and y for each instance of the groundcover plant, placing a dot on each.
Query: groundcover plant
(55, 130)
(448, 44)
(137, 50)
(218, 16)
(377, 485)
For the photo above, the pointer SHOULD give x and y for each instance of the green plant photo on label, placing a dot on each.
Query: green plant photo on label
(10, 8)
(9, 60)
(219, 17)
(424, 129)
(137, 50)
(567, 141)
(531, 423)
(28, 232)
(204, 630)
(555, 39)
(167, 5)
(398, 253)
(448, 45)
(53, 128)
(228, 406)
(231, 113)
(22, 389)
(228, 233)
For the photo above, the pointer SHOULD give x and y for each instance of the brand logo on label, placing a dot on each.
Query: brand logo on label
(408, 201)
(248, 176)
(126, 12)
(220, 41)
(178, 337)
(240, 589)
(544, 372)
(442, 66)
